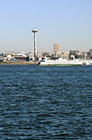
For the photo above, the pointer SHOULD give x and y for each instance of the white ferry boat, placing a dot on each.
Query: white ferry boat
(63, 62)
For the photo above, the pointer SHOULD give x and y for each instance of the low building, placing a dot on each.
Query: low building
(20, 58)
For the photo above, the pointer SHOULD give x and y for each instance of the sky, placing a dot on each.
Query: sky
(66, 22)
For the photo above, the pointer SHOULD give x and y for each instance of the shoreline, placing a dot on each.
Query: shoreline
(18, 63)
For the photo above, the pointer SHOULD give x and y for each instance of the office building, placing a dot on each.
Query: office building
(56, 50)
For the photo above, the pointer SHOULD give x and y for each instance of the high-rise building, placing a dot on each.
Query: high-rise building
(56, 50)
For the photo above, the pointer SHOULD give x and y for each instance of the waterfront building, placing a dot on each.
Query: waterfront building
(1, 57)
(23, 53)
(84, 55)
(39, 55)
(31, 55)
(90, 51)
(73, 54)
(45, 54)
(65, 55)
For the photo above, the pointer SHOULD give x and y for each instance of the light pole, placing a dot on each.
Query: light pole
(35, 51)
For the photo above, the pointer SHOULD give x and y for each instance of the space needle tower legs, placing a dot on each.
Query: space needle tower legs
(35, 51)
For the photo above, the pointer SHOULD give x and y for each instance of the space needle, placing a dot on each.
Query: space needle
(35, 51)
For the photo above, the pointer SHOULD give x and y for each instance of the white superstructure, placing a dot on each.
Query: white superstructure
(61, 61)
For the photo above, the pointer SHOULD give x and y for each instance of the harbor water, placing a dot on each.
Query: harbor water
(45, 102)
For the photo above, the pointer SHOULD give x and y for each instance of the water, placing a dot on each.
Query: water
(41, 103)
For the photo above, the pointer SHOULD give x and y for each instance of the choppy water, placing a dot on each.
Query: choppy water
(41, 103)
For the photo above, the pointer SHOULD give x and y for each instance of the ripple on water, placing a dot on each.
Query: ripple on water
(45, 102)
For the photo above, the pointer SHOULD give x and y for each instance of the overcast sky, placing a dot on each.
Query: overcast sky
(67, 22)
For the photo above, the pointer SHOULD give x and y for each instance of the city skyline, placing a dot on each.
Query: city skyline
(66, 22)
